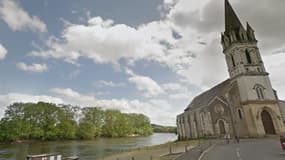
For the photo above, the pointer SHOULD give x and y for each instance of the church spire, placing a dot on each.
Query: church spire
(231, 19)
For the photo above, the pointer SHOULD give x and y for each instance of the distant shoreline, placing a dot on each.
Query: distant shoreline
(59, 140)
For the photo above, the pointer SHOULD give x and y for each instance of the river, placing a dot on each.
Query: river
(86, 150)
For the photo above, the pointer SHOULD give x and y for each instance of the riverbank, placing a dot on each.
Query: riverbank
(85, 149)
(167, 151)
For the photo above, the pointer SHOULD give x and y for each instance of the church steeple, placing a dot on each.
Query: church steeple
(232, 21)
(240, 46)
(234, 30)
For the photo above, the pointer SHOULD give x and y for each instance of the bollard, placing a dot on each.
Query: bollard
(117, 158)
(133, 158)
(170, 150)
(150, 157)
(185, 148)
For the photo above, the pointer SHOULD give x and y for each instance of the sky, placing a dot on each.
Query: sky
(150, 57)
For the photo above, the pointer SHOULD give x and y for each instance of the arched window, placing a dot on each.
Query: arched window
(248, 58)
(233, 60)
(240, 113)
(259, 91)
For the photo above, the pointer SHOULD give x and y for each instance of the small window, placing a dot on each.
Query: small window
(233, 60)
(260, 94)
(248, 58)
(259, 91)
(239, 113)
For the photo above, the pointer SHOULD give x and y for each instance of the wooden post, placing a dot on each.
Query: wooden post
(150, 157)
(133, 158)
(185, 148)
(170, 150)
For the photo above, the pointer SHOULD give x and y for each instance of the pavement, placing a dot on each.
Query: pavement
(196, 152)
(249, 149)
(153, 153)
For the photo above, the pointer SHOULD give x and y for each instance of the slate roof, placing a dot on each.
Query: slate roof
(232, 21)
(204, 98)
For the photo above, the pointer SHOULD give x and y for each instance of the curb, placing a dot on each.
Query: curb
(206, 151)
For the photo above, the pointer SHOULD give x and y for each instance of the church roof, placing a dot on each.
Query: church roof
(232, 21)
(204, 98)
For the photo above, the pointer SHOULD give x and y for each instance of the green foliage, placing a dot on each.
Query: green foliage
(45, 121)
(163, 129)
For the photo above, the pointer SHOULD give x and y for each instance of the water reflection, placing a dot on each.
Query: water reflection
(86, 150)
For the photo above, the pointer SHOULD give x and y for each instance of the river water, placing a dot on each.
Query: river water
(86, 150)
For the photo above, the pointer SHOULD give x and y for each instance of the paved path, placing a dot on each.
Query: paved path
(251, 149)
(152, 153)
(195, 153)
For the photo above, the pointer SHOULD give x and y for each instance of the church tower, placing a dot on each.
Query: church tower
(244, 60)
(247, 71)
(245, 105)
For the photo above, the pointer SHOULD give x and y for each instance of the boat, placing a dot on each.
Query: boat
(51, 156)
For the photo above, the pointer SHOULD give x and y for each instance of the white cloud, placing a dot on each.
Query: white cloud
(173, 86)
(74, 97)
(105, 42)
(35, 67)
(3, 52)
(160, 41)
(65, 92)
(275, 65)
(18, 19)
(150, 108)
(145, 84)
(180, 96)
(103, 83)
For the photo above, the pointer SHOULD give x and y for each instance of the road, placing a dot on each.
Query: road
(250, 149)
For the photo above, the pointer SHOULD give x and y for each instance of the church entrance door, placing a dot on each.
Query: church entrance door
(222, 127)
(267, 123)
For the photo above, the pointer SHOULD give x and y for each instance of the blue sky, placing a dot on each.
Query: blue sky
(150, 56)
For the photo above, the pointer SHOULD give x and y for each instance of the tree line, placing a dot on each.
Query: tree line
(163, 129)
(46, 121)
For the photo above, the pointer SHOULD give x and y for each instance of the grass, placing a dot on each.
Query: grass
(157, 148)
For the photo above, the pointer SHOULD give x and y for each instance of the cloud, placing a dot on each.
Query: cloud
(74, 97)
(172, 86)
(101, 41)
(3, 52)
(163, 42)
(150, 108)
(65, 92)
(103, 83)
(145, 84)
(33, 68)
(18, 19)
(180, 96)
(275, 65)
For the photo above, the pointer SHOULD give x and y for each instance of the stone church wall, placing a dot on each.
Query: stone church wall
(254, 119)
(246, 87)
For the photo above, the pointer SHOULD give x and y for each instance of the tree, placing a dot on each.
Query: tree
(92, 117)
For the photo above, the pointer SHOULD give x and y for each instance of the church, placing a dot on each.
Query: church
(244, 105)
